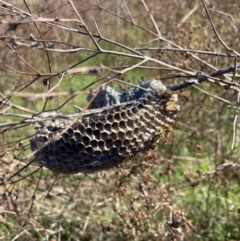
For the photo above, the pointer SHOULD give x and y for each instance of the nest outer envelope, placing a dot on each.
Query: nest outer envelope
(116, 127)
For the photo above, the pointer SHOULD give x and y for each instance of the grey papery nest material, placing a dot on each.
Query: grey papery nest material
(116, 127)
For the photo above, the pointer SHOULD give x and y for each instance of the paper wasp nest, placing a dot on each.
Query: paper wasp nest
(121, 125)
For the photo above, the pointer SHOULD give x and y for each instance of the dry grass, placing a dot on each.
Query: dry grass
(188, 187)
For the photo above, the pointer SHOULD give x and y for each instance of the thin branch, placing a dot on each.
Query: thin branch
(214, 96)
(216, 32)
(20, 57)
(235, 122)
(128, 11)
(152, 18)
(184, 50)
(190, 13)
(58, 83)
(113, 42)
(84, 25)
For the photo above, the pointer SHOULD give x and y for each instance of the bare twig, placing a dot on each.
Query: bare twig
(152, 18)
(235, 122)
(216, 32)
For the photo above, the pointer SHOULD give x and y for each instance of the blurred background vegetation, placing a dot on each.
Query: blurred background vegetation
(188, 187)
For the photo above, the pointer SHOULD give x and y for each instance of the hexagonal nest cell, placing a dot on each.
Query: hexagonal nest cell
(98, 139)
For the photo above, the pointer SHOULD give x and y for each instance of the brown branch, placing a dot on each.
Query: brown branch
(216, 32)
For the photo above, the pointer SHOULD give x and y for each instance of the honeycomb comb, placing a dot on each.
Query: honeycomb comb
(98, 139)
